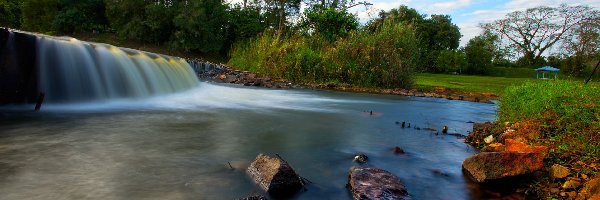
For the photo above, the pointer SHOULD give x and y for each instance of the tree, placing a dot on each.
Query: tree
(479, 52)
(585, 43)
(80, 15)
(328, 22)
(450, 61)
(535, 30)
(437, 34)
(142, 20)
(38, 15)
(243, 22)
(276, 12)
(11, 13)
(200, 26)
(403, 14)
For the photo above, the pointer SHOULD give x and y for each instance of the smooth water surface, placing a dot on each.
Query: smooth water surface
(179, 146)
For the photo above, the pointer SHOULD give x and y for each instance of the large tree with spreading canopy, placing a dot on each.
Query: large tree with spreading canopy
(534, 31)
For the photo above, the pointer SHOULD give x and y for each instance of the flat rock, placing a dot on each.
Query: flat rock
(517, 146)
(373, 183)
(496, 165)
(559, 171)
(275, 176)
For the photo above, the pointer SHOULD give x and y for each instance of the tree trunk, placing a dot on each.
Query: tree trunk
(281, 17)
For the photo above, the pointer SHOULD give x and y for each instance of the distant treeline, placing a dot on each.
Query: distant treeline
(323, 43)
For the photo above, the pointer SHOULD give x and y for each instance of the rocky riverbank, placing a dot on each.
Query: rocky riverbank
(225, 74)
(506, 152)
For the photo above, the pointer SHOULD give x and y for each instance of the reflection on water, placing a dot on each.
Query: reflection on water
(178, 146)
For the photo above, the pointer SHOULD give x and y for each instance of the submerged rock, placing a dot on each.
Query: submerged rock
(496, 165)
(275, 176)
(398, 150)
(374, 183)
(361, 158)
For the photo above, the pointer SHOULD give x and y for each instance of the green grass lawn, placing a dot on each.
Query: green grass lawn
(467, 83)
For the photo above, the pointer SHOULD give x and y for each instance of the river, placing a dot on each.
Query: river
(178, 146)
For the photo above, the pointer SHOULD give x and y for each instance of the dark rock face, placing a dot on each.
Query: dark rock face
(18, 70)
(275, 176)
(496, 165)
(374, 183)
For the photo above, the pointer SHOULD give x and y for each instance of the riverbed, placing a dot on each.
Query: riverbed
(180, 146)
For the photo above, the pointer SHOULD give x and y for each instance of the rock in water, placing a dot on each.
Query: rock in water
(373, 183)
(495, 165)
(275, 176)
(361, 158)
(398, 150)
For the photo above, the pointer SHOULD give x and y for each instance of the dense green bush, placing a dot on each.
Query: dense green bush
(568, 111)
(331, 23)
(385, 58)
(450, 61)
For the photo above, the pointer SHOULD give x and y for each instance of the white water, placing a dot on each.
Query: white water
(76, 71)
(208, 96)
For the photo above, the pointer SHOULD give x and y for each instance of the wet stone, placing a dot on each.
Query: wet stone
(361, 158)
(275, 176)
(375, 183)
(496, 165)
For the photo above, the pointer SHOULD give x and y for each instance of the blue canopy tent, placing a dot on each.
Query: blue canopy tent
(544, 70)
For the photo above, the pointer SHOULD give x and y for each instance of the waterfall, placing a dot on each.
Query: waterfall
(71, 70)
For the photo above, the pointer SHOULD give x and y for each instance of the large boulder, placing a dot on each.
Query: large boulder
(275, 176)
(496, 165)
(373, 183)
(591, 189)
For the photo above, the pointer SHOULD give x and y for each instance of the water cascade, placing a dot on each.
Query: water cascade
(69, 70)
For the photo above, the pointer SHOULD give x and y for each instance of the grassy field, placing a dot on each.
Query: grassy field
(467, 83)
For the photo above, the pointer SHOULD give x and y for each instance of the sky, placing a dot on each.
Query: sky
(466, 14)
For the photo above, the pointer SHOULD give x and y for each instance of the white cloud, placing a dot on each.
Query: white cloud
(446, 7)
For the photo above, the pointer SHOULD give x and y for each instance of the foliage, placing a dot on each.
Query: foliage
(480, 51)
(569, 114)
(535, 30)
(276, 12)
(243, 23)
(328, 22)
(436, 33)
(385, 58)
(512, 72)
(403, 14)
(38, 15)
(80, 15)
(450, 61)
(200, 26)
(141, 20)
(11, 13)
